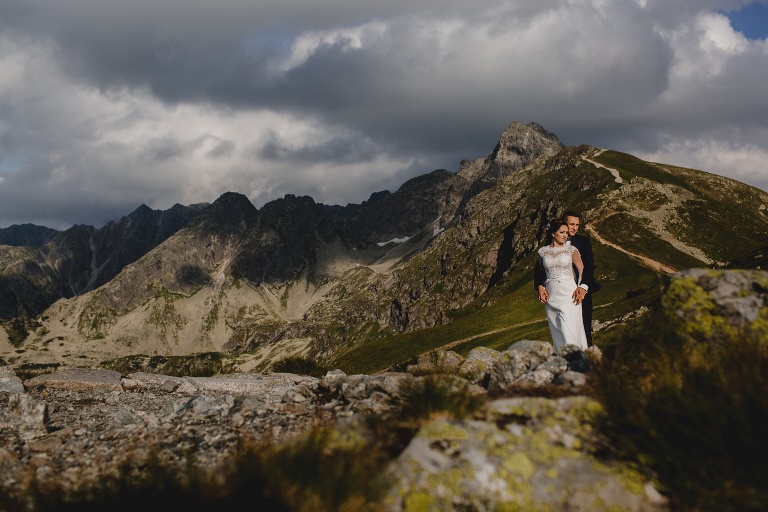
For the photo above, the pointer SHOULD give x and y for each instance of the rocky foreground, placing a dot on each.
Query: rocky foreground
(76, 426)
(519, 451)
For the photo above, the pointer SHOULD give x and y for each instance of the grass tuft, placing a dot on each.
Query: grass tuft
(319, 471)
(29, 370)
(204, 364)
(423, 397)
(694, 414)
(299, 365)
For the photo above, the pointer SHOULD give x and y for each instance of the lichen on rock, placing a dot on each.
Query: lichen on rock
(705, 304)
(523, 454)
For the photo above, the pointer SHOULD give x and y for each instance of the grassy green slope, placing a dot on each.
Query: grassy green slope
(630, 166)
(726, 220)
(509, 311)
(514, 314)
(631, 234)
(723, 218)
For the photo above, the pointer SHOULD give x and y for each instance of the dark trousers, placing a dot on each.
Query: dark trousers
(586, 314)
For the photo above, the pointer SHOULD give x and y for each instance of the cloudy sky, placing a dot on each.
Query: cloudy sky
(107, 104)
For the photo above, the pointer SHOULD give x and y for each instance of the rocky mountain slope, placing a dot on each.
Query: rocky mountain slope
(299, 277)
(26, 235)
(41, 265)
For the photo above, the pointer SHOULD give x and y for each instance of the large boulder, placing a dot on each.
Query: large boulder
(525, 454)
(705, 304)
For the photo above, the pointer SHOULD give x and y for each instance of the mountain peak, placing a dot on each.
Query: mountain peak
(520, 144)
(231, 211)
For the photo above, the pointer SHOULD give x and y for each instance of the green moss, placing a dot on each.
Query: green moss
(760, 324)
(746, 234)
(96, 319)
(28, 370)
(286, 295)
(690, 411)
(419, 502)
(444, 430)
(17, 331)
(693, 309)
(203, 364)
(519, 464)
(648, 200)
(449, 479)
(163, 314)
(299, 365)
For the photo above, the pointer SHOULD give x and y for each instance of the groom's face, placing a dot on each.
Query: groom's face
(573, 225)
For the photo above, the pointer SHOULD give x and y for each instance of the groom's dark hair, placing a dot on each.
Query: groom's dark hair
(571, 213)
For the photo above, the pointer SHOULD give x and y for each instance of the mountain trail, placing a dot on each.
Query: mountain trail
(456, 343)
(614, 172)
(655, 265)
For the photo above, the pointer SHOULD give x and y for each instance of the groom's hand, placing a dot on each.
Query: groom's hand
(579, 294)
(543, 295)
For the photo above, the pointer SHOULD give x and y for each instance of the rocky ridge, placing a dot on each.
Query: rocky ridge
(76, 426)
(299, 277)
(65, 264)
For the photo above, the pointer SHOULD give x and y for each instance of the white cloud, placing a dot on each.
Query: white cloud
(745, 162)
(163, 102)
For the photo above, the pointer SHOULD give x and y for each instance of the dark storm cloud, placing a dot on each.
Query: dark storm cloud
(349, 148)
(181, 100)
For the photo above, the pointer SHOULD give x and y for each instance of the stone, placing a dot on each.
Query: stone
(79, 429)
(706, 304)
(78, 379)
(439, 361)
(520, 357)
(130, 384)
(477, 367)
(9, 381)
(32, 415)
(537, 378)
(556, 365)
(485, 466)
(571, 379)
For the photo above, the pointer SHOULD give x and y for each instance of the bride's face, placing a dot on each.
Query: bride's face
(561, 235)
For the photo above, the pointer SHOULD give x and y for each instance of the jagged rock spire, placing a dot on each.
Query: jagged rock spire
(520, 144)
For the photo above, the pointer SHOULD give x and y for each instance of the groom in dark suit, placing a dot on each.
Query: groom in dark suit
(588, 285)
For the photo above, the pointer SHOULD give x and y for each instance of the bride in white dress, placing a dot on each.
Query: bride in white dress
(562, 308)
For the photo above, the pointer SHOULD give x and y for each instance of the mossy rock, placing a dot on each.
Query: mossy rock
(705, 304)
(528, 454)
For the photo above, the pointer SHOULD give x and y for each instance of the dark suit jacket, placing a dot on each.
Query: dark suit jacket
(584, 246)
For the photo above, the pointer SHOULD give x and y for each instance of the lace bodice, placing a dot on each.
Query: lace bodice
(558, 262)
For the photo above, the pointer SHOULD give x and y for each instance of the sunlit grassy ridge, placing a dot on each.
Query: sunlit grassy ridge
(630, 166)
(514, 314)
(722, 217)
(631, 234)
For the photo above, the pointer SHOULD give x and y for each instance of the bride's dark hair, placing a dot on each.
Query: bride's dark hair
(555, 224)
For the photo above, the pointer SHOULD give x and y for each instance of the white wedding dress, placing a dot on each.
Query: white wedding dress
(564, 317)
